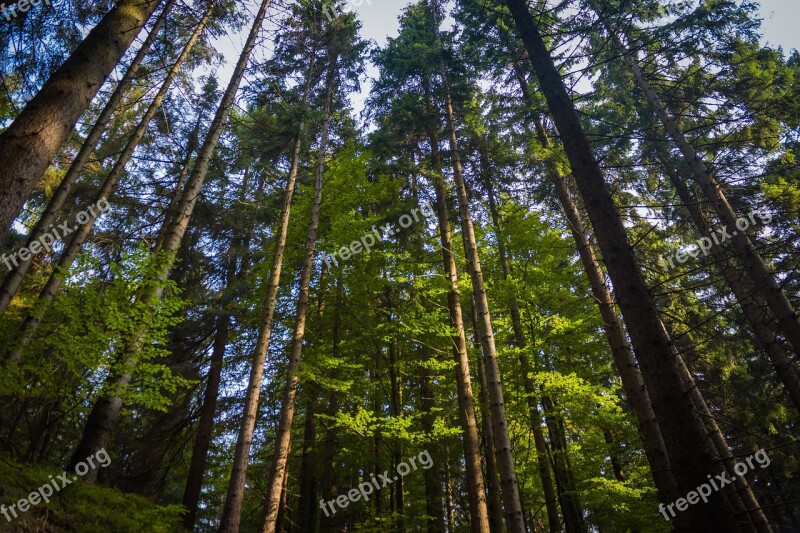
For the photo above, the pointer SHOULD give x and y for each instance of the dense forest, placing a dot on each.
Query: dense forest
(529, 266)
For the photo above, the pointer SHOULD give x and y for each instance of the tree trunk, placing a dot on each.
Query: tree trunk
(29, 144)
(307, 502)
(197, 466)
(690, 456)
(766, 338)
(466, 405)
(328, 481)
(521, 343)
(13, 280)
(512, 506)
(284, 432)
(765, 281)
(235, 495)
(82, 232)
(103, 417)
(433, 488)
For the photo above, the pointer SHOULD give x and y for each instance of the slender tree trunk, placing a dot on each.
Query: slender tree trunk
(690, 456)
(82, 232)
(13, 280)
(766, 338)
(466, 405)
(514, 517)
(29, 144)
(328, 471)
(307, 503)
(521, 343)
(235, 495)
(397, 450)
(758, 270)
(197, 466)
(284, 431)
(103, 417)
(493, 501)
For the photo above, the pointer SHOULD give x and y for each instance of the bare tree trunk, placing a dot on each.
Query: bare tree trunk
(13, 280)
(283, 438)
(512, 506)
(758, 270)
(197, 466)
(466, 404)
(231, 513)
(766, 338)
(29, 144)
(103, 417)
(521, 343)
(82, 232)
(690, 456)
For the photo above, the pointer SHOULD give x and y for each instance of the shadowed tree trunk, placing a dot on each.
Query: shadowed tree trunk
(13, 280)
(29, 144)
(690, 456)
(102, 419)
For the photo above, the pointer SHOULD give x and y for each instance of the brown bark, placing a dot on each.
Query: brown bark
(103, 417)
(82, 232)
(521, 343)
(283, 437)
(328, 480)
(231, 513)
(433, 488)
(13, 280)
(690, 455)
(202, 442)
(29, 144)
(466, 406)
(307, 502)
(767, 285)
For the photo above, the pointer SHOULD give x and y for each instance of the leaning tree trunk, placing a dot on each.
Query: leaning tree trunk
(690, 456)
(103, 417)
(82, 232)
(29, 144)
(13, 280)
(765, 281)
(475, 484)
(283, 437)
(777, 356)
(231, 513)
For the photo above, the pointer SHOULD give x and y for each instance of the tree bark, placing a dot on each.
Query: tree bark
(82, 232)
(690, 455)
(13, 280)
(758, 270)
(283, 437)
(103, 417)
(29, 144)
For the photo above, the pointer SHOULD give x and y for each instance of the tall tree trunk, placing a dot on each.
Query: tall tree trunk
(521, 343)
(758, 270)
(13, 280)
(82, 232)
(494, 503)
(197, 466)
(397, 449)
(512, 505)
(766, 338)
(102, 420)
(231, 513)
(283, 437)
(29, 144)
(307, 502)
(690, 456)
(328, 471)
(466, 405)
